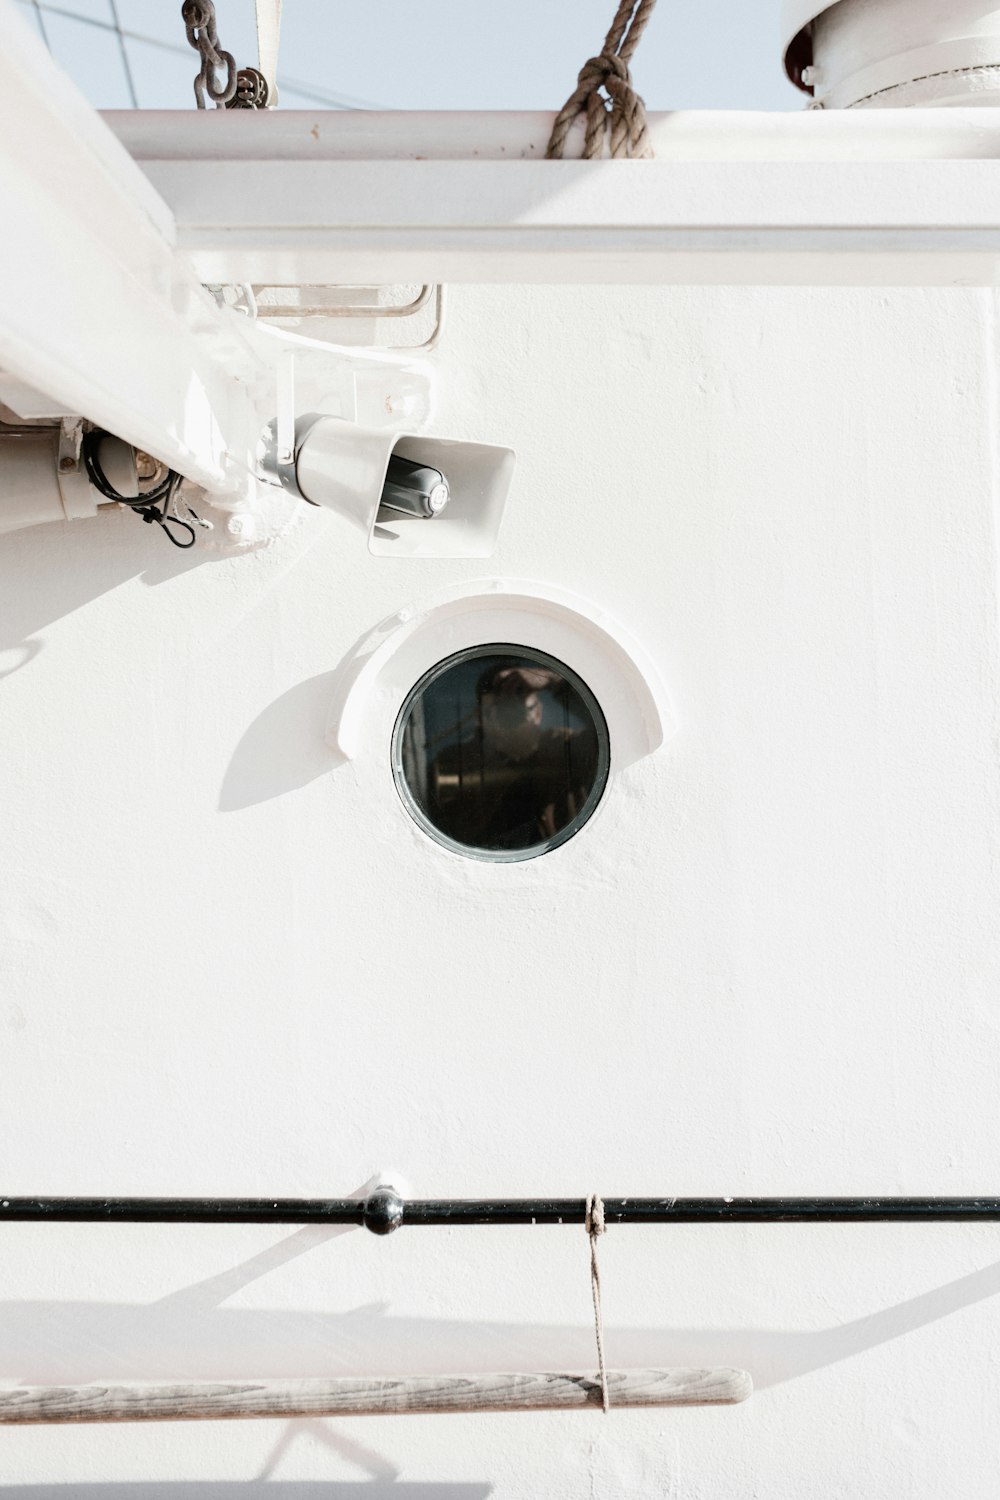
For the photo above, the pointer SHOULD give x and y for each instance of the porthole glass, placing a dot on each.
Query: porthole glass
(501, 752)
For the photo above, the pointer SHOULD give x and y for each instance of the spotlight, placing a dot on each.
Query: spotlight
(412, 495)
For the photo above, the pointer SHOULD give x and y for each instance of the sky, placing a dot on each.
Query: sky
(427, 54)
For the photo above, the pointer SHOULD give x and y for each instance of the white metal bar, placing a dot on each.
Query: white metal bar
(512, 135)
(871, 198)
(96, 307)
(386, 221)
(268, 42)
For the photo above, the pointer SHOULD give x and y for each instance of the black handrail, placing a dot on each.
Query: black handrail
(384, 1210)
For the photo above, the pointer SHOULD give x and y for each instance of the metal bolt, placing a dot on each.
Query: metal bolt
(146, 467)
(251, 90)
(383, 1211)
(66, 463)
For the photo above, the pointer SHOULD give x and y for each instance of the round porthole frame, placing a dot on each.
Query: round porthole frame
(595, 795)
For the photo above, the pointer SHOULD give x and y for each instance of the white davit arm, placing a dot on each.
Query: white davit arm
(97, 309)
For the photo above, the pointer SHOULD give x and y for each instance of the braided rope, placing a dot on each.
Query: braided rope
(595, 1228)
(609, 71)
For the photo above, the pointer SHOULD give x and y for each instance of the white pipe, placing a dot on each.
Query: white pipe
(32, 490)
(157, 137)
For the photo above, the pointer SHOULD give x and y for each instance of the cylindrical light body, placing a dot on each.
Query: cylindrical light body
(32, 490)
(341, 466)
(459, 486)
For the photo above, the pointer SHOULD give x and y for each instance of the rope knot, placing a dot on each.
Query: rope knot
(595, 1217)
(597, 71)
(623, 109)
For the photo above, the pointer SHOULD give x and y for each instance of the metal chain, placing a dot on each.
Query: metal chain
(199, 21)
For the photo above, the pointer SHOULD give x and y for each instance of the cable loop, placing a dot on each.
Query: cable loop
(165, 522)
(147, 503)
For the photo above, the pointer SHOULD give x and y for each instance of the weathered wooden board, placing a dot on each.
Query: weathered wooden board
(383, 1396)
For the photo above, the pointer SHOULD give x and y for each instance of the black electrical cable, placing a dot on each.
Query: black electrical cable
(147, 503)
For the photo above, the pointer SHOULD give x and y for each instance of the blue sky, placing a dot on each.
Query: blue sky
(430, 54)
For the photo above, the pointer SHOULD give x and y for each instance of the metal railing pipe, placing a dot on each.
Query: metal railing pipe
(384, 1211)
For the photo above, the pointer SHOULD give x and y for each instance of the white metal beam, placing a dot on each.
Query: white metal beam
(581, 221)
(97, 308)
(293, 197)
(521, 135)
(110, 227)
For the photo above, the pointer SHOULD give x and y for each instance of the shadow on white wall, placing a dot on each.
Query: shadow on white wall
(284, 748)
(188, 1335)
(251, 1489)
(49, 572)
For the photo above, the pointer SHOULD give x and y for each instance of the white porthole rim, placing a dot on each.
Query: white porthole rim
(594, 797)
(377, 674)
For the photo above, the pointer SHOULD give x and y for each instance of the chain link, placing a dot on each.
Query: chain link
(199, 21)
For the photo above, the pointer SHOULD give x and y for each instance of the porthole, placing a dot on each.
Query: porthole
(501, 752)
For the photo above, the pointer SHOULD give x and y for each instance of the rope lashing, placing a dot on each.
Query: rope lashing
(595, 1228)
(609, 71)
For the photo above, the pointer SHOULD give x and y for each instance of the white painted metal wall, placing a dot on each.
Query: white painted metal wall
(768, 965)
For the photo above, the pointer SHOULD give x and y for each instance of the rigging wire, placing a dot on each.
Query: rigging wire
(124, 53)
(41, 24)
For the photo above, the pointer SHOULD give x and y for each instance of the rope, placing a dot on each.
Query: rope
(595, 1228)
(609, 71)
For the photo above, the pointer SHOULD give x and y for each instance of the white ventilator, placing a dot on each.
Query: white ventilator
(894, 53)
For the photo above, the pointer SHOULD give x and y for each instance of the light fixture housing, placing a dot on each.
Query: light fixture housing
(343, 467)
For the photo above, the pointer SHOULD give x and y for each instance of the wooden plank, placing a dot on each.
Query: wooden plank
(411, 1395)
